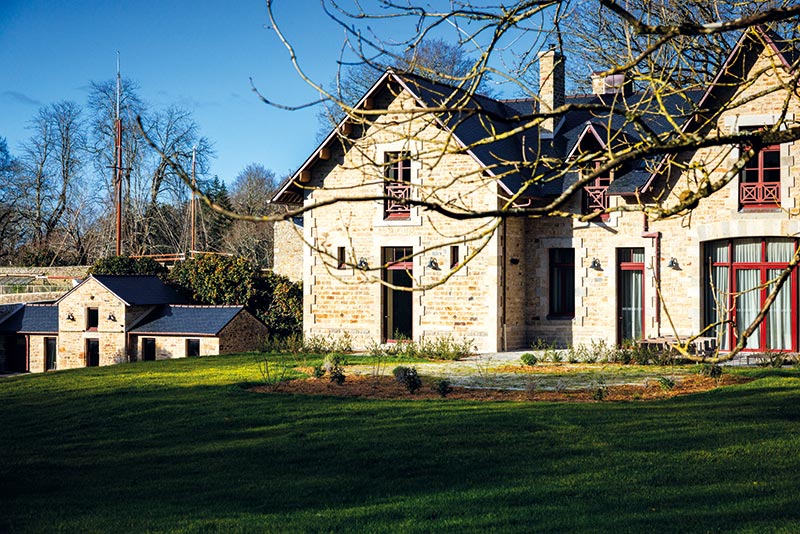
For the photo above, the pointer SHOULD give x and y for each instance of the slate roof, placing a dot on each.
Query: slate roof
(32, 319)
(187, 320)
(138, 290)
(474, 118)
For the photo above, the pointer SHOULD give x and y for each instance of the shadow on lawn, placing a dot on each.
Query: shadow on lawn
(193, 457)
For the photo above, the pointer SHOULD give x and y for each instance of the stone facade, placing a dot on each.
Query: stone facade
(288, 251)
(500, 297)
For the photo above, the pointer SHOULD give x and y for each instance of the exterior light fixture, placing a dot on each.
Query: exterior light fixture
(596, 265)
(362, 264)
(111, 317)
(673, 264)
(70, 317)
(433, 264)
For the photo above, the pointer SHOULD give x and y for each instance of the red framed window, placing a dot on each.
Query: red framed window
(454, 256)
(739, 275)
(595, 194)
(397, 186)
(760, 181)
(562, 283)
(92, 318)
(341, 258)
(630, 294)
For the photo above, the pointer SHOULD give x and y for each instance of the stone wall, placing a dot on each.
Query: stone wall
(169, 347)
(288, 250)
(244, 333)
(73, 334)
(339, 300)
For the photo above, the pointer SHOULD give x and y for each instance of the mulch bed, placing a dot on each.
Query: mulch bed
(386, 387)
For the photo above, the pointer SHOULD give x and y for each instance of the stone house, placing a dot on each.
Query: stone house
(509, 281)
(113, 319)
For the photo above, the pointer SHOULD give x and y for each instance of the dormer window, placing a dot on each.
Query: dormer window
(595, 193)
(397, 186)
(760, 181)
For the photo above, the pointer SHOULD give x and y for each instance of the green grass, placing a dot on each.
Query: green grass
(179, 446)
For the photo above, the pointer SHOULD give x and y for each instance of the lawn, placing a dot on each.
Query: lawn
(180, 446)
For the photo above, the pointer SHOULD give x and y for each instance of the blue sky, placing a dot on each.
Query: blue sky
(199, 54)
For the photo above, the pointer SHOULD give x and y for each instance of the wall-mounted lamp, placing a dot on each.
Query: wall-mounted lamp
(362, 264)
(596, 265)
(111, 317)
(70, 317)
(433, 264)
(673, 264)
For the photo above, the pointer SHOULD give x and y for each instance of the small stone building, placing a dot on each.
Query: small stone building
(114, 319)
(380, 268)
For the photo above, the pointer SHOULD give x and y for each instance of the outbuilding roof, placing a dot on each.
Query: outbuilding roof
(137, 290)
(32, 319)
(188, 320)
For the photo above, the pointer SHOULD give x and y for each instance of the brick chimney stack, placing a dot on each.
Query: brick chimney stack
(551, 86)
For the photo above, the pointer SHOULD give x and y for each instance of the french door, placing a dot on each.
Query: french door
(397, 299)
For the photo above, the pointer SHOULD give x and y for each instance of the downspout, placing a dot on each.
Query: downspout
(503, 286)
(28, 353)
(656, 236)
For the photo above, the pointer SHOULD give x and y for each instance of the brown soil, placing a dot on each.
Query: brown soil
(387, 388)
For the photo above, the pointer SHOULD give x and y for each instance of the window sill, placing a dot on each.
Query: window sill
(552, 317)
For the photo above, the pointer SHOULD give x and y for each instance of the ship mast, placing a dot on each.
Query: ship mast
(118, 165)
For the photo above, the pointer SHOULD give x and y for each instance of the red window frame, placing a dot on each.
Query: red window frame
(760, 180)
(397, 186)
(625, 263)
(763, 267)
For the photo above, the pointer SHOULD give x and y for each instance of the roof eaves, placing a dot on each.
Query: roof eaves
(329, 138)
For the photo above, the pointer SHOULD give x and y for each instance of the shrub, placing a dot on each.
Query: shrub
(122, 265)
(529, 359)
(771, 358)
(318, 371)
(408, 377)
(399, 372)
(445, 348)
(337, 375)
(319, 344)
(443, 387)
(666, 383)
(711, 370)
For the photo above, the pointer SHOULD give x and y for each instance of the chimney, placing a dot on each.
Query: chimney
(551, 85)
(609, 85)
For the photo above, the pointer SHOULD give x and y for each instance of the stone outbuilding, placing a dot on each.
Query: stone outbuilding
(114, 319)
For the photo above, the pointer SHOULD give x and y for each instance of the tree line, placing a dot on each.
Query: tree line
(57, 187)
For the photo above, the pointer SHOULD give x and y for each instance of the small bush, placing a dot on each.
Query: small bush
(771, 358)
(318, 344)
(711, 370)
(599, 393)
(666, 383)
(444, 348)
(337, 376)
(399, 372)
(443, 387)
(408, 377)
(318, 371)
(333, 364)
(529, 359)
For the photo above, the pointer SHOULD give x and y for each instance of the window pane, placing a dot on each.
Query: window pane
(779, 316)
(747, 250)
(719, 252)
(780, 250)
(772, 159)
(748, 304)
(772, 176)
